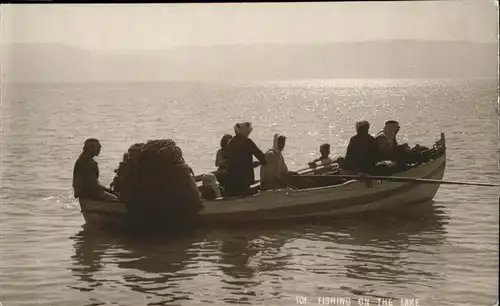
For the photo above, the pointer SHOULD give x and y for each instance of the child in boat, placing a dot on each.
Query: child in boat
(324, 159)
(210, 190)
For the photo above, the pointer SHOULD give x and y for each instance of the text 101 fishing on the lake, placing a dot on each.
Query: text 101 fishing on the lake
(347, 301)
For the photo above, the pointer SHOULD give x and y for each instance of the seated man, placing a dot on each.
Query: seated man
(273, 175)
(388, 147)
(221, 161)
(86, 174)
(220, 158)
(362, 153)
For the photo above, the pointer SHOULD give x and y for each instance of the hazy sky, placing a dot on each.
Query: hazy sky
(152, 26)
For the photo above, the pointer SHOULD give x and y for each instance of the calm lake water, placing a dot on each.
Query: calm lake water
(441, 253)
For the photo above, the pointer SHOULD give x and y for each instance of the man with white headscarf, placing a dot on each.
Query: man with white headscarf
(399, 154)
(239, 155)
(386, 140)
(388, 146)
(274, 174)
(362, 152)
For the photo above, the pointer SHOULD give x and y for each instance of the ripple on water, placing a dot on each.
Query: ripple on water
(444, 253)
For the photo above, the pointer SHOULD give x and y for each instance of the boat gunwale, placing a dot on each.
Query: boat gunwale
(340, 203)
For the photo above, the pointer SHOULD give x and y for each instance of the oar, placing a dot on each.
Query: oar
(304, 171)
(320, 167)
(308, 169)
(198, 177)
(407, 180)
(333, 166)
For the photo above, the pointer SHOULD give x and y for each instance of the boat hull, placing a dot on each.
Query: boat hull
(347, 198)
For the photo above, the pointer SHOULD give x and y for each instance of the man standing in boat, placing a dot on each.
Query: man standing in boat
(239, 155)
(86, 174)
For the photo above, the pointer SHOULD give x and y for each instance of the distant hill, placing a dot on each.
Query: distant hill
(374, 59)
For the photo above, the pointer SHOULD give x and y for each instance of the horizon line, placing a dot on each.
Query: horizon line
(7, 44)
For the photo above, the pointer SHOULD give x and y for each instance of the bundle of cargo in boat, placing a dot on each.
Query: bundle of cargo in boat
(156, 184)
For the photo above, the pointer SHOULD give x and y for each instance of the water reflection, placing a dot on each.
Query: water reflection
(400, 248)
(153, 265)
(87, 260)
(245, 257)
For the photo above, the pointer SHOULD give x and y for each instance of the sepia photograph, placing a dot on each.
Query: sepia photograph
(272, 153)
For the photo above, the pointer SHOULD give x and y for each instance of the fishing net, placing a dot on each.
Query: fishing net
(156, 185)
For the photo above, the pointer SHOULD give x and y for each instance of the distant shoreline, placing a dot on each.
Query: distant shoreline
(52, 63)
(262, 82)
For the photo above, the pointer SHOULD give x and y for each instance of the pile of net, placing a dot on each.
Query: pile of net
(157, 186)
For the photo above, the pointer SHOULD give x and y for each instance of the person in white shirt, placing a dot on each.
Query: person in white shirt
(274, 174)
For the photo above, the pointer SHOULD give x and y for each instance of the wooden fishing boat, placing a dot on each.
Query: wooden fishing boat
(335, 197)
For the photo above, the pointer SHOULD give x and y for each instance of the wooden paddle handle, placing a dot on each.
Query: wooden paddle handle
(199, 177)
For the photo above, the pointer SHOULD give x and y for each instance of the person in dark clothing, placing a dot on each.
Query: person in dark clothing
(86, 174)
(239, 154)
(362, 152)
(388, 146)
(390, 149)
(220, 160)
